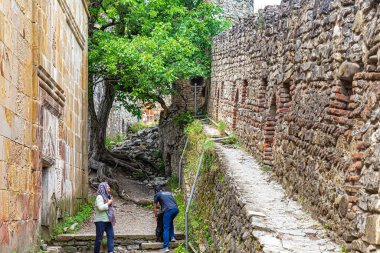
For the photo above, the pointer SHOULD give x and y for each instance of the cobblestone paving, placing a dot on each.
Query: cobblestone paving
(281, 224)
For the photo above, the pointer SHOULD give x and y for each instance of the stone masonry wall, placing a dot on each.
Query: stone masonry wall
(43, 111)
(235, 9)
(299, 83)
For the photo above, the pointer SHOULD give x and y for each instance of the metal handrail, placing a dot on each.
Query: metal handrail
(189, 201)
(180, 163)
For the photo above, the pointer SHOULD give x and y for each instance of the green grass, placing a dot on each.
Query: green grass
(140, 126)
(181, 249)
(149, 206)
(222, 127)
(112, 142)
(343, 249)
(265, 169)
(231, 139)
(84, 214)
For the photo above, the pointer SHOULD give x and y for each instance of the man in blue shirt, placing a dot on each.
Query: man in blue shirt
(170, 209)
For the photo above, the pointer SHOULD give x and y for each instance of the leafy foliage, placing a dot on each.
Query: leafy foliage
(143, 47)
(183, 119)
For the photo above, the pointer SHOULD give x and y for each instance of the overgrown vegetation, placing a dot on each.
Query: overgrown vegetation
(183, 119)
(140, 126)
(231, 139)
(222, 127)
(112, 142)
(198, 142)
(84, 214)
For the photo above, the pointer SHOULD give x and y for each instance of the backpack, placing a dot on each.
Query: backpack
(160, 227)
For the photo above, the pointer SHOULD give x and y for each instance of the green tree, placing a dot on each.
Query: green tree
(137, 50)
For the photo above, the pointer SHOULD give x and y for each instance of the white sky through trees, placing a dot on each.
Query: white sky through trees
(259, 4)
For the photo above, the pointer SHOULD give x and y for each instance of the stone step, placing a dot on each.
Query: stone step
(73, 243)
(158, 245)
(127, 237)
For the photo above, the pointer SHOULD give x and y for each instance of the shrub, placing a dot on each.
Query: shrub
(183, 119)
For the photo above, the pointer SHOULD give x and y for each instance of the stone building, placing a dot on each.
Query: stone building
(299, 84)
(43, 111)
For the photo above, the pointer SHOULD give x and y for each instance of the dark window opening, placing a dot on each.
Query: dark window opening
(264, 83)
(244, 91)
(272, 109)
(347, 88)
(199, 81)
(286, 94)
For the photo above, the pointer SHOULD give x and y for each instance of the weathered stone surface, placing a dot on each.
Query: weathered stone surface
(299, 85)
(371, 230)
(347, 71)
(43, 130)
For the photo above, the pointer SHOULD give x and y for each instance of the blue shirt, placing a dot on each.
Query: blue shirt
(166, 200)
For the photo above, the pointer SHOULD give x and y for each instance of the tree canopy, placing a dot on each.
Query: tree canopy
(143, 46)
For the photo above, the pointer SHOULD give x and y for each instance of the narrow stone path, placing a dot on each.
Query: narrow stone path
(280, 223)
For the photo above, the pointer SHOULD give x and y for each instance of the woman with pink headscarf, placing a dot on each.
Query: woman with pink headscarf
(104, 217)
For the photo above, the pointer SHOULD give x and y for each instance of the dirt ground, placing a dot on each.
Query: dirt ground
(130, 217)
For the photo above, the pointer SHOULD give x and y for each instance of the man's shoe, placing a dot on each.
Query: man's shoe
(165, 250)
(173, 239)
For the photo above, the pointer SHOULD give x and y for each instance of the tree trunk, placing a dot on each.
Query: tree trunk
(98, 120)
(102, 160)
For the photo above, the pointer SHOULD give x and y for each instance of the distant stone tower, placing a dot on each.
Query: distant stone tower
(236, 9)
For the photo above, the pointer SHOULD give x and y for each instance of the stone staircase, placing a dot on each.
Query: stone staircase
(84, 243)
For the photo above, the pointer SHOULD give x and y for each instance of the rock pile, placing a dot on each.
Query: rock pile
(143, 146)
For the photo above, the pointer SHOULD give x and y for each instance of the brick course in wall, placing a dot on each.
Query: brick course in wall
(299, 83)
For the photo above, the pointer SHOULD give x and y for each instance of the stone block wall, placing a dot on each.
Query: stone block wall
(43, 115)
(299, 83)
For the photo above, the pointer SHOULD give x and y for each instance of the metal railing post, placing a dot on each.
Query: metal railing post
(180, 163)
(189, 201)
(195, 99)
